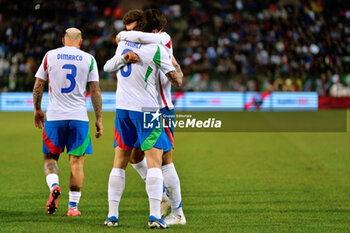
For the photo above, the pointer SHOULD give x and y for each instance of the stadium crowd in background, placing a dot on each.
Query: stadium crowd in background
(227, 45)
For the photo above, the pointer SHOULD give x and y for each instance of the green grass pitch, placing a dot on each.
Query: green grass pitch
(231, 182)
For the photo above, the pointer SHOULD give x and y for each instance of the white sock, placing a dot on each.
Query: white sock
(141, 168)
(154, 188)
(172, 184)
(113, 208)
(74, 198)
(51, 180)
(116, 185)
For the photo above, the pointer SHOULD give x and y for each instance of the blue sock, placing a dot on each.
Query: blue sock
(73, 205)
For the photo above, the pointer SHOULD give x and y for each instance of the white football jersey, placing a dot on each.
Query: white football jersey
(67, 70)
(137, 83)
(163, 38)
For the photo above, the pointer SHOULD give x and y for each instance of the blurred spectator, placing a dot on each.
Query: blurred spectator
(228, 45)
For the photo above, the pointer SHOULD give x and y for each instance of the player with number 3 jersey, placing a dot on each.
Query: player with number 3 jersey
(67, 70)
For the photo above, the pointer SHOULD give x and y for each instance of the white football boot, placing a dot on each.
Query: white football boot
(173, 219)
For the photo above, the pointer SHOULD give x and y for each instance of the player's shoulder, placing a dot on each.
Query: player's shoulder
(165, 35)
(86, 54)
(53, 51)
(166, 40)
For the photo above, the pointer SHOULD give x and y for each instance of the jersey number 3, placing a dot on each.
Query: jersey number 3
(70, 77)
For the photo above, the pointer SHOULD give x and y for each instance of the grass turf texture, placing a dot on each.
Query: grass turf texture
(231, 182)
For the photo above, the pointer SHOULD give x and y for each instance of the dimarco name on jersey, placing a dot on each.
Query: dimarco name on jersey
(63, 56)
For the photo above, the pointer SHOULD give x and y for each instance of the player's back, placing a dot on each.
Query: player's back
(137, 87)
(162, 38)
(68, 70)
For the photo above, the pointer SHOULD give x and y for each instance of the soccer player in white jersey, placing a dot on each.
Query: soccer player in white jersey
(68, 70)
(131, 19)
(136, 91)
(171, 178)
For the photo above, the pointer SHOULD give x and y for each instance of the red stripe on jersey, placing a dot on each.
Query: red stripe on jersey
(161, 91)
(49, 144)
(48, 79)
(119, 140)
(168, 44)
(45, 62)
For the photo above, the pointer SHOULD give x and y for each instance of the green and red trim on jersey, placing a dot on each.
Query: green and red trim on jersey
(168, 44)
(91, 65)
(156, 57)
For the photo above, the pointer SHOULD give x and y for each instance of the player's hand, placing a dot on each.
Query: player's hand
(131, 57)
(99, 128)
(117, 39)
(39, 119)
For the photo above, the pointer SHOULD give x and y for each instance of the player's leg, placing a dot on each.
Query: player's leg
(51, 172)
(171, 179)
(75, 184)
(116, 185)
(78, 144)
(138, 161)
(151, 142)
(54, 137)
(154, 187)
(172, 184)
(124, 140)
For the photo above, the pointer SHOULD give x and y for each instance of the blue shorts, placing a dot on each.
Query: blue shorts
(168, 124)
(72, 134)
(145, 127)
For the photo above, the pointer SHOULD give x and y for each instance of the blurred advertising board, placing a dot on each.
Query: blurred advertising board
(191, 101)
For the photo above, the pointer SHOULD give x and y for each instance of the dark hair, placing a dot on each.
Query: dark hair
(152, 19)
(132, 15)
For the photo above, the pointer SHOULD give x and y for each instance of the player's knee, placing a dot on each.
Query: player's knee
(50, 156)
(76, 161)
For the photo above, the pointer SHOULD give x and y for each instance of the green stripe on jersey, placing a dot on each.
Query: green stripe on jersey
(92, 65)
(156, 57)
(81, 149)
(148, 73)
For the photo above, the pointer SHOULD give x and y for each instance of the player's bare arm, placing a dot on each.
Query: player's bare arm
(175, 76)
(96, 100)
(39, 117)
